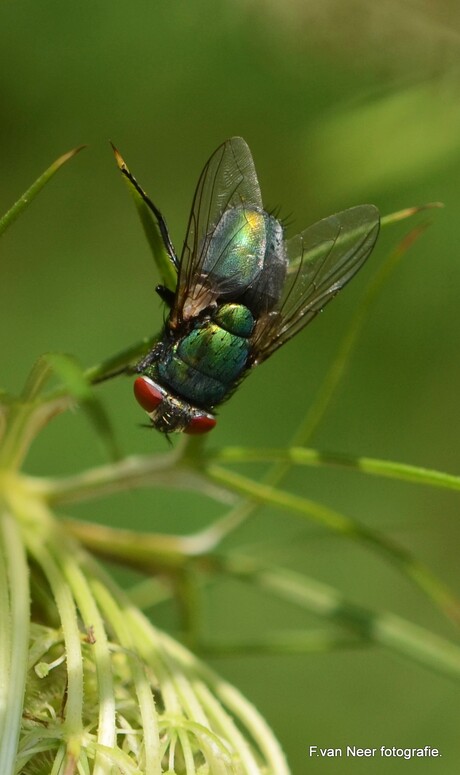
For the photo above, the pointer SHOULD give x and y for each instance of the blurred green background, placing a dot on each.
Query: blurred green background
(341, 103)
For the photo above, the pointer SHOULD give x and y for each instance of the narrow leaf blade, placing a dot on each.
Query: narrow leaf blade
(24, 201)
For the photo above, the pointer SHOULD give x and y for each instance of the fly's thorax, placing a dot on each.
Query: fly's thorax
(236, 249)
(232, 259)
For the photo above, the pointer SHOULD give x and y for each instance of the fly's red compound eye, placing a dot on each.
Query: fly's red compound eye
(201, 423)
(148, 394)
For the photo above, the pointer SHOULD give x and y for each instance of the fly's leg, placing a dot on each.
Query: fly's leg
(155, 354)
(115, 373)
(158, 216)
(166, 295)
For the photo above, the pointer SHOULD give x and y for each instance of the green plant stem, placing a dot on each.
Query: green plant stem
(6, 644)
(149, 716)
(301, 456)
(68, 615)
(118, 759)
(158, 551)
(136, 471)
(150, 553)
(338, 523)
(361, 626)
(68, 562)
(172, 664)
(15, 618)
(381, 628)
(312, 641)
(60, 762)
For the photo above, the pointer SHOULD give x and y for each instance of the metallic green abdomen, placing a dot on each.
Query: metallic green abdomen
(204, 365)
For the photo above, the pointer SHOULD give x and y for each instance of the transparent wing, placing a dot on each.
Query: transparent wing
(321, 260)
(228, 180)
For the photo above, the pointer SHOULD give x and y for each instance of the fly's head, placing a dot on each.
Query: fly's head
(169, 413)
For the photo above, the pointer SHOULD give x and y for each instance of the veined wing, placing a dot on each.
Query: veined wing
(228, 180)
(321, 260)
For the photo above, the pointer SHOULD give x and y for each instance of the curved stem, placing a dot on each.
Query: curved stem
(302, 456)
(163, 470)
(381, 628)
(15, 619)
(333, 520)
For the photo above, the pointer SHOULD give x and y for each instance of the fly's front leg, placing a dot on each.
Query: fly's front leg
(166, 295)
(155, 354)
(114, 373)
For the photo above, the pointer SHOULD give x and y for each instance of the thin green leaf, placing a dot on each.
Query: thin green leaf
(37, 378)
(23, 202)
(152, 231)
(408, 212)
(73, 377)
(25, 416)
(333, 520)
